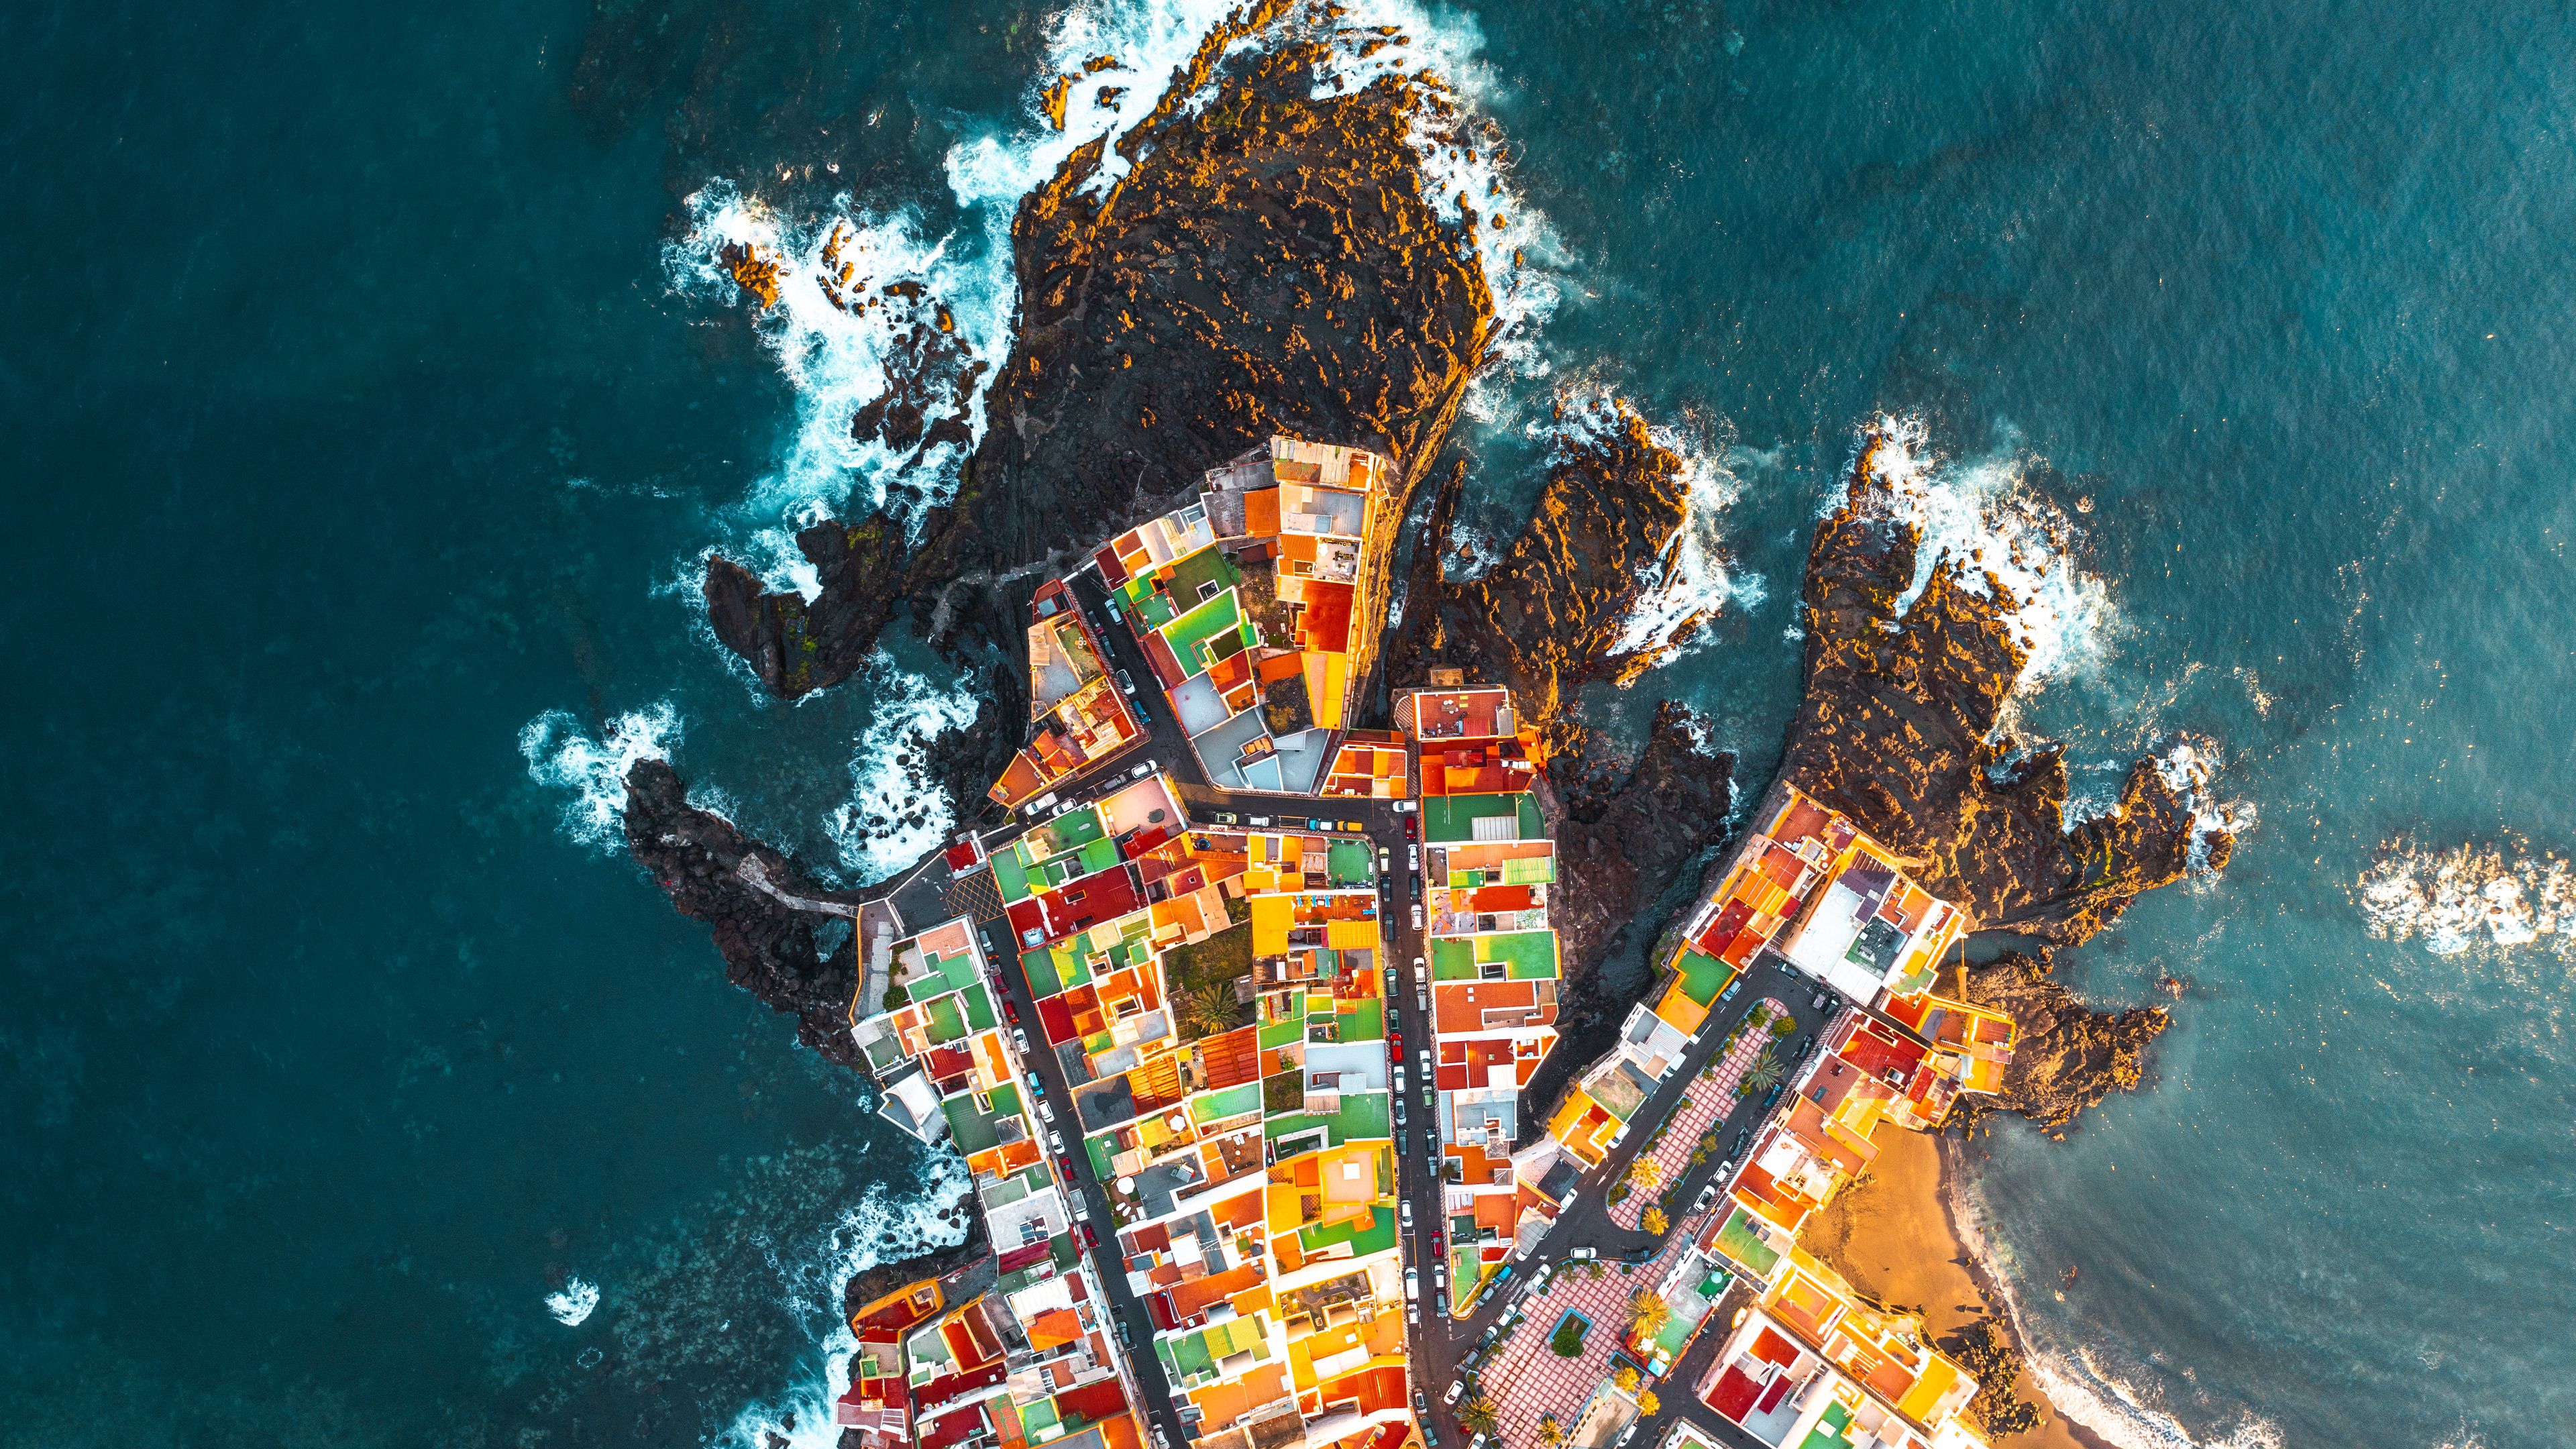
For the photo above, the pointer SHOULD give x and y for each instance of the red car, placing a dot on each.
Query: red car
(1395, 1044)
(1438, 1243)
(1413, 827)
(1090, 1239)
(1011, 1012)
(1064, 1169)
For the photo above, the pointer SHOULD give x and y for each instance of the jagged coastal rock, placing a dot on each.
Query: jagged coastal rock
(767, 915)
(1897, 728)
(2069, 1056)
(1267, 263)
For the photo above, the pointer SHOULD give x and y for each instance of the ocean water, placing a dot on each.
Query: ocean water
(367, 423)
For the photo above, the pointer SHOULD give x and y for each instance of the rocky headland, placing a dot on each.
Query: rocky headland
(1902, 726)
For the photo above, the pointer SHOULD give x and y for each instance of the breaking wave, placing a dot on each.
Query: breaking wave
(2504, 897)
(2082, 1384)
(561, 757)
(881, 1229)
(838, 337)
(2189, 767)
(895, 813)
(1978, 518)
(575, 1303)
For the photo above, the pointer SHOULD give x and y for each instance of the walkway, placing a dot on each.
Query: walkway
(1712, 1096)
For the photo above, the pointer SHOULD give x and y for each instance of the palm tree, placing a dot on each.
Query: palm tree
(1655, 1222)
(1762, 1073)
(1476, 1412)
(1209, 1009)
(1648, 1405)
(1645, 1172)
(1647, 1314)
(1550, 1432)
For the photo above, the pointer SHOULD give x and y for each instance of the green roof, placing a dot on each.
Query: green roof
(1742, 1244)
(1202, 625)
(1451, 818)
(1702, 976)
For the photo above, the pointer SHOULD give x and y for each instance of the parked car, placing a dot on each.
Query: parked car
(1353, 827)
(1421, 973)
(1399, 1081)
(1111, 604)
(1046, 1112)
(1020, 1039)
(1425, 1054)
(1706, 1196)
(1726, 1169)
(1125, 684)
(1413, 1313)
(1226, 817)
(1584, 1255)
(1412, 827)
(1399, 1123)
(1417, 915)
(1412, 1284)
(1439, 1246)
(1141, 771)
(1034, 1084)
(1319, 825)
(1259, 822)
(1393, 981)
(1426, 1096)
(1064, 1164)
(1404, 1211)
(1413, 858)
(1456, 1388)
(1055, 1143)
(1383, 857)
(1090, 1238)
(1395, 1047)
(1732, 987)
(1742, 1136)
(1421, 1405)
(1421, 999)
(1010, 1011)
(1406, 807)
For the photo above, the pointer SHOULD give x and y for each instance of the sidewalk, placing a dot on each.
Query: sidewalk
(1708, 1100)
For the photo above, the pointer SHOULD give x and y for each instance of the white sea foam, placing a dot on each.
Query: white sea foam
(578, 1300)
(894, 814)
(889, 1224)
(560, 756)
(1978, 518)
(2083, 1384)
(836, 355)
(2500, 897)
(2189, 766)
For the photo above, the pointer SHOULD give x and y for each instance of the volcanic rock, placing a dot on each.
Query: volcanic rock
(2069, 1056)
(715, 873)
(1898, 728)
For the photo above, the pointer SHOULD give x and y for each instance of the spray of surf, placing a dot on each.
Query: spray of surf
(886, 1226)
(893, 815)
(2189, 766)
(2499, 897)
(561, 757)
(2001, 540)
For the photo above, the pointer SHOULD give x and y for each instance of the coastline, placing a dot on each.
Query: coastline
(1896, 1236)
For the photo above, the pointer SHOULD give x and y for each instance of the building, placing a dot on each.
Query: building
(1259, 607)
(1080, 719)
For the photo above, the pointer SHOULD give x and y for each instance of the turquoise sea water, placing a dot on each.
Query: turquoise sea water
(355, 428)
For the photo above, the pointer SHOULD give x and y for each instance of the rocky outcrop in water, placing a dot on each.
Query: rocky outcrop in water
(1267, 263)
(2069, 1056)
(749, 893)
(1898, 729)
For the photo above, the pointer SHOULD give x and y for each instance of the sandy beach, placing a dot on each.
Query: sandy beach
(1892, 1236)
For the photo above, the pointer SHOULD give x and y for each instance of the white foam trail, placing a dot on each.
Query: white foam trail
(2082, 1385)
(1978, 519)
(837, 357)
(2189, 767)
(882, 1228)
(2501, 897)
(560, 756)
(894, 814)
(578, 1300)
(1694, 577)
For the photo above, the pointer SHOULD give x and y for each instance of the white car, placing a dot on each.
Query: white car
(1456, 1387)
(1413, 857)
(1584, 1255)
(1046, 1111)
(1399, 1081)
(1413, 1285)
(1417, 915)
(1421, 974)
(1020, 1039)
(1421, 999)
(1404, 1210)
(1426, 1061)
(1413, 1313)
(1055, 1141)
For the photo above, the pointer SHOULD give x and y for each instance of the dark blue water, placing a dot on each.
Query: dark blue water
(355, 426)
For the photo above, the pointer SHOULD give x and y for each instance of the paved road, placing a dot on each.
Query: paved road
(1440, 1341)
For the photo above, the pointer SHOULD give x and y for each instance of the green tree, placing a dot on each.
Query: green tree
(1476, 1412)
(1763, 1073)
(1655, 1221)
(1648, 1405)
(1646, 1172)
(1567, 1341)
(1209, 1010)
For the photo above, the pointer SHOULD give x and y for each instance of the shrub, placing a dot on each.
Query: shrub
(1567, 1341)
